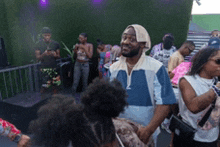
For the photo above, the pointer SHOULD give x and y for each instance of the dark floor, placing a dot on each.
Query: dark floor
(163, 141)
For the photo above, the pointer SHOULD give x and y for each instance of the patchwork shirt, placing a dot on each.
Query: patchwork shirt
(148, 85)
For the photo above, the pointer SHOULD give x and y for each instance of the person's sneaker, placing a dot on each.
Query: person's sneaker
(165, 126)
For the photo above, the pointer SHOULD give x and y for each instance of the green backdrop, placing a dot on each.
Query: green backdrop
(208, 22)
(22, 20)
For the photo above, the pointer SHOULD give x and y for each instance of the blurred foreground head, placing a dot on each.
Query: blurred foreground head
(88, 124)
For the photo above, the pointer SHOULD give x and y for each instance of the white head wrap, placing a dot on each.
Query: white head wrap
(142, 35)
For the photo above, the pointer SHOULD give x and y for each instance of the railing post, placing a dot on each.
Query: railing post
(16, 81)
(31, 79)
(36, 78)
(12, 90)
(6, 89)
(1, 96)
(21, 80)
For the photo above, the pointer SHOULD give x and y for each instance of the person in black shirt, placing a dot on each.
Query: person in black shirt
(47, 51)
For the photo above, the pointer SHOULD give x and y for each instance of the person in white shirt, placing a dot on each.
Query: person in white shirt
(197, 93)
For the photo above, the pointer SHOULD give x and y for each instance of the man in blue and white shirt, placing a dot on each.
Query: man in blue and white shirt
(150, 93)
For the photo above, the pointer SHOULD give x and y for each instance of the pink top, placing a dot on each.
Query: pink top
(180, 71)
(108, 54)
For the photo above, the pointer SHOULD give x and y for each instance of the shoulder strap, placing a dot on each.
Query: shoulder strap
(206, 116)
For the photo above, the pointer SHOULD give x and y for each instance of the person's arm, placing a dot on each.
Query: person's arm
(9, 130)
(107, 57)
(164, 98)
(106, 60)
(88, 50)
(24, 142)
(57, 54)
(98, 50)
(75, 49)
(172, 63)
(91, 51)
(171, 75)
(160, 114)
(39, 56)
(195, 103)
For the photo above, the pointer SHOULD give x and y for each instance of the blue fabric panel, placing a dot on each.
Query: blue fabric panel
(167, 94)
(122, 77)
(138, 93)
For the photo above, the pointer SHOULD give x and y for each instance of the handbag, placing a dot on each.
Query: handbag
(181, 128)
(184, 130)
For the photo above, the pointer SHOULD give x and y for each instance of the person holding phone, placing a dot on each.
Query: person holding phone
(47, 51)
(83, 51)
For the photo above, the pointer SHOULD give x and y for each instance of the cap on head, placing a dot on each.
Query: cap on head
(141, 35)
(46, 30)
(214, 42)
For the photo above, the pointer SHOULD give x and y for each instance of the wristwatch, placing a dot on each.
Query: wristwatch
(17, 138)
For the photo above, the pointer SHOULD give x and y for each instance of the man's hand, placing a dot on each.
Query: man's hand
(76, 47)
(144, 134)
(83, 47)
(24, 142)
(53, 53)
(45, 53)
(218, 85)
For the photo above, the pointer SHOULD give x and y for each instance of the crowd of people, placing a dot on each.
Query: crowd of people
(149, 90)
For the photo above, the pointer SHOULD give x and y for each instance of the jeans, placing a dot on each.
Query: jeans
(80, 69)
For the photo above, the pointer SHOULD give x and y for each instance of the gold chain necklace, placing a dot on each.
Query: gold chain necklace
(129, 65)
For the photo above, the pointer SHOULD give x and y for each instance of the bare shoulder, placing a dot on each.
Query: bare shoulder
(90, 44)
(186, 89)
(183, 82)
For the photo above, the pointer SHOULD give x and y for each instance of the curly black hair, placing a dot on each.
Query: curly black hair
(87, 124)
(201, 58)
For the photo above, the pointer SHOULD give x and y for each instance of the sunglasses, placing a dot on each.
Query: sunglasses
(190, 50)
(217, 61)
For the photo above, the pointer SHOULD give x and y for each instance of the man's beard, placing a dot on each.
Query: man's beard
(132, 53)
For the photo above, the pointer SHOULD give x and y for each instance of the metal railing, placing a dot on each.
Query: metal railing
(25, 78)
(199, 38)
(19, 80)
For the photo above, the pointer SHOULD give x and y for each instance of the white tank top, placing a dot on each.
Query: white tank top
(81, 55)
(210, 130)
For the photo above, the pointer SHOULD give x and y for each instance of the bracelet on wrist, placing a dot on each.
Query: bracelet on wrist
(17, 138)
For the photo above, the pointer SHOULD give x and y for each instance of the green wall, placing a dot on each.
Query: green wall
(207, 22)
(23, 20)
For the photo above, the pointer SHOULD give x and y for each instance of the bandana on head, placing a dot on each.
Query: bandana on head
(142, 35)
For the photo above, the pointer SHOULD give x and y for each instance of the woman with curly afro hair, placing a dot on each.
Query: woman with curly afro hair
(88, 124)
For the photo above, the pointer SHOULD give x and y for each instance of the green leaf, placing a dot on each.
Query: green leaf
(68, 50)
